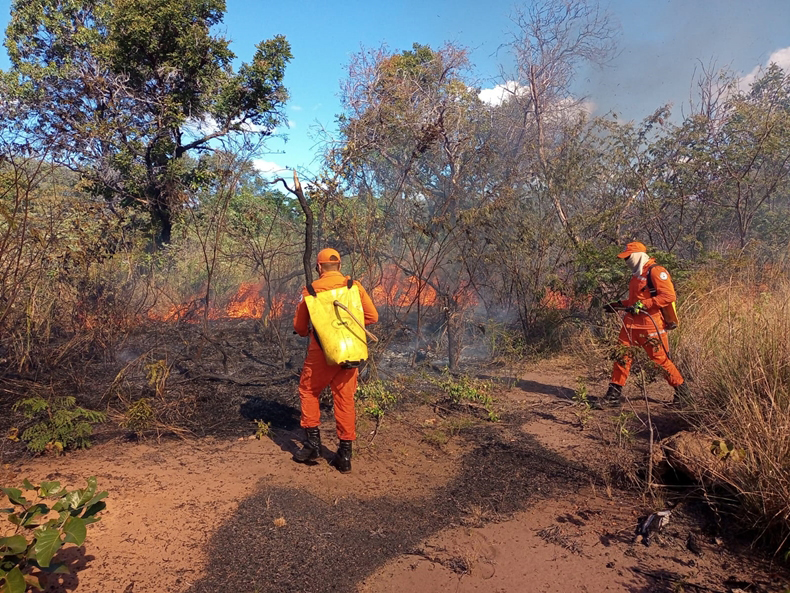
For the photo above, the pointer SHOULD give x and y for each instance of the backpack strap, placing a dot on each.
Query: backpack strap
(310, 290)
(650, 285)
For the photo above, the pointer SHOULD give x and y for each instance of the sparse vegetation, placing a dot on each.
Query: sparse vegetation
(59, 423)
(733, 341)
(27, 554)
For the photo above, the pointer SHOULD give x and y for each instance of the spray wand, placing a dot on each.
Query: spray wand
(359, 323)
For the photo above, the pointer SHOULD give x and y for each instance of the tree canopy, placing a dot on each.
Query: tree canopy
(122, 90)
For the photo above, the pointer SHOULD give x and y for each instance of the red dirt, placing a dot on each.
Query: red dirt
(509, 507)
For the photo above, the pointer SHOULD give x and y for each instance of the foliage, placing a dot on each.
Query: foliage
(124, 90)
(377, 397)
(733, 343)
(581, 399)
(59, 423)
(468, 390)
(157, 373)
(263, 429)
(139, 416)
(53, 518)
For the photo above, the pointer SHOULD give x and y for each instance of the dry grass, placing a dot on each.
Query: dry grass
(733, 342)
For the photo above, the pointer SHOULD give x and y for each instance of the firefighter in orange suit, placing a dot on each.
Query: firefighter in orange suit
(638, 329)
(318, 374)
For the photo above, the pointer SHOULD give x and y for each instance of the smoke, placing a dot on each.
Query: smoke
(665, 44)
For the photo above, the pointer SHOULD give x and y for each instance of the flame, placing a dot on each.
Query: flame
(247, 303)
(398, 290)
(555, 300)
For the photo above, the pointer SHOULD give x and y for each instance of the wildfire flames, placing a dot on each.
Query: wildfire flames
(247, 303)
(398, 290)
(395, 289)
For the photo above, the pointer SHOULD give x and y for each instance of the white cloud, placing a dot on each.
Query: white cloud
(781, 57)
(497, 95)
(268, 167)
(296, 107)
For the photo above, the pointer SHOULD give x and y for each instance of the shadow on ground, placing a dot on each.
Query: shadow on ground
(333, 546)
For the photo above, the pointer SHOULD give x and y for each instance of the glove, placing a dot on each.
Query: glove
(612, 307)
(636, 308)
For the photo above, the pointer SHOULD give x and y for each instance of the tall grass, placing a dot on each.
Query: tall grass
(734, 342)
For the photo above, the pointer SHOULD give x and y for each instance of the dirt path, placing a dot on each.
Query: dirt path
(508, 507)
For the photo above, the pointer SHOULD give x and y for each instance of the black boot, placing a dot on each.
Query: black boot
(342, 460)
(612, 397)
(682, 395)
(311, 449)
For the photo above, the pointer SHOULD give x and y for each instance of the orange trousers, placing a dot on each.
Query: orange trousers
(316, 375)
(647, 339)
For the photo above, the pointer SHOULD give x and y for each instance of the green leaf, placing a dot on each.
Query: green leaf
(28, 486)
(75, 530)
(89, 492)
(94, 509)
(47, 543)
(34, 512)
(49, 489)
(16, 544)
(15, 496)
(15, 581)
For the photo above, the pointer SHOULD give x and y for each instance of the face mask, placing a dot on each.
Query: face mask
(636, 262)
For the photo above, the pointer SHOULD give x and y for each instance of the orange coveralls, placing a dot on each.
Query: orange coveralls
(639, 330)
(317, 374)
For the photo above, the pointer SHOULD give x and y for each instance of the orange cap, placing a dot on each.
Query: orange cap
(328, 256)
(633, 247)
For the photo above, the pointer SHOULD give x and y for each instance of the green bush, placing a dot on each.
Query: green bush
(26, 555)
(376, 397)
(60, 423)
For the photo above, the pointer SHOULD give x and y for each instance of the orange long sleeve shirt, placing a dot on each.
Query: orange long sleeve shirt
(638, 291)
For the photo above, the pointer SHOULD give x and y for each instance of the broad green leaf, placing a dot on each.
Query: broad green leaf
(89, 492)
(34, 512)
(15, 581)
(49, 489)
(15, 496)
(47, 543)
(72, 499)
(28, 486)
(15, 544)
(75, 530)
(14, 518)
(97, 498)
(93, 510)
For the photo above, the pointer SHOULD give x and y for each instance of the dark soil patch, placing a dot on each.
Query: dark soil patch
(332, 547)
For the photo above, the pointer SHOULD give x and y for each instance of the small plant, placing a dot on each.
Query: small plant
(376, 398)
(581, 399)
(61, 423)
(466, 390)
(622, 427)
(41, 528)
(263, 429)
(139, 416)
(157, 373)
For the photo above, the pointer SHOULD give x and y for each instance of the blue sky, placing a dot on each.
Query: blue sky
(661, 44)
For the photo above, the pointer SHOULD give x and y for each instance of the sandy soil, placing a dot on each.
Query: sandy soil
(522, 505)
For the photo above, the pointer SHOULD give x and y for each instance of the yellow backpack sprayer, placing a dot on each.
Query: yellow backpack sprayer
(338, 323)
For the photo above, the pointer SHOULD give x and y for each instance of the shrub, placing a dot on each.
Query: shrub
(734, 331)
(376, 397)
(27, 554)
(60, 423)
